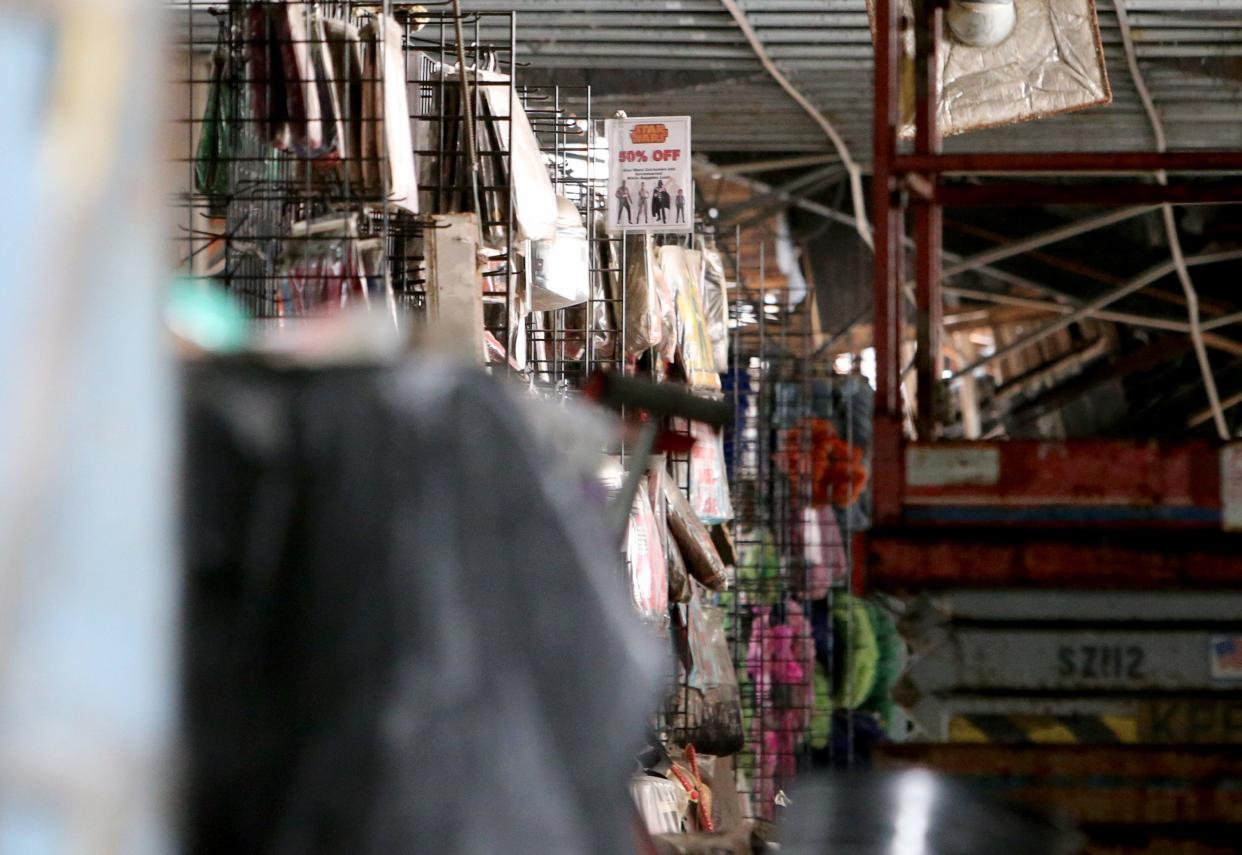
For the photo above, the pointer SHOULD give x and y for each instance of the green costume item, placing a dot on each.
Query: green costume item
(891, 659)
(821, 715)
(855, 651)
(759, 570)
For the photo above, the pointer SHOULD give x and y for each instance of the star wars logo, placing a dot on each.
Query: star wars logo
(649, 133)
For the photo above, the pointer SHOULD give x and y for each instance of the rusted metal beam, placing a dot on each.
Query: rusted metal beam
(1138, 283)
(1087, 473)
(1026, 194)
(1148, 557)
(1051, 236)
(1065, 162)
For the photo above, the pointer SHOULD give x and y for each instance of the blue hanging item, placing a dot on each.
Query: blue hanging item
(735, 383)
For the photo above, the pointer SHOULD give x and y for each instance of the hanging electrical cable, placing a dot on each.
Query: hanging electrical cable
(1170, 226)
(847, 160)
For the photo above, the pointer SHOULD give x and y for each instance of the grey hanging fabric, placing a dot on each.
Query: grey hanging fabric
(406, 629)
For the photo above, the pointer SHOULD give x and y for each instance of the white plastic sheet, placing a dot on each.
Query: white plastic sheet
(1051, 63)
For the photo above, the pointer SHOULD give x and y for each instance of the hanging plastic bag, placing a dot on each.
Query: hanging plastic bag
(534, 199)
(682, 270)
(708, 704)
(709, 485)
(560, 269)
(666, 305)
(695, 540)
(716, 304)
(642, 310)
(596, 321)
(661, 803)
(645, 561)
(678, 575)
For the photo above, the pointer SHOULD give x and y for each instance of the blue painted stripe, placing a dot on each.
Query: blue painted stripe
(1059, 513)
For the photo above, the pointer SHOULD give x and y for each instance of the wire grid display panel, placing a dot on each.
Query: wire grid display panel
(795, 701)
(268, 205)
(567, 345)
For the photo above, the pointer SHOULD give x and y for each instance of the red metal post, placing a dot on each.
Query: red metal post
(886, 315)
(928, 216)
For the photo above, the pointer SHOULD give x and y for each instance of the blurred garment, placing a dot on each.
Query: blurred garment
(87, 568)
(406, 631)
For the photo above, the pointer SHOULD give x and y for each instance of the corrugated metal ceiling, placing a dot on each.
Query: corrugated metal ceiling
(1190, 51)
(689, 57)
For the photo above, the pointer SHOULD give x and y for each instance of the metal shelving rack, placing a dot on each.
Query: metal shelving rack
(1087, 527)
(924, 180)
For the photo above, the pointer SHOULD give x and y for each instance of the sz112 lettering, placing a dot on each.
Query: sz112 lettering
(1100, 661)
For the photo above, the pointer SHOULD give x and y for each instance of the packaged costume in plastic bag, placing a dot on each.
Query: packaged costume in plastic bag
(678, 575)
(643, 327)
(560, 269)
(666, 301)
(682, 270)
(594, 324)
(534, 200)
(708, 707)
(709, 485)
(661, 803)
(645, 562)
(695, 540)
(716, 304)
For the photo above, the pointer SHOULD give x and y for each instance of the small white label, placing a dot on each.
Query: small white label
(1231, 487)
(952, 466)
(1225, 657)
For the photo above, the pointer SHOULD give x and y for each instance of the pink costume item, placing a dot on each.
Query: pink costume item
(823, 550)
(780, 660)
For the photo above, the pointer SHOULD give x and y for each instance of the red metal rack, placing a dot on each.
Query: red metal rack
(1061, 514)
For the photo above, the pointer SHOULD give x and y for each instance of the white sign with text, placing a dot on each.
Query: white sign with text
(650, 184)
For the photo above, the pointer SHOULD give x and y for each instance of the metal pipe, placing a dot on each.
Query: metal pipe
(1217, 342)
(778, 163)
(1170, 227)
(1043, 239)
(1138, 283)
(847, 160)
(1223, 321)
(1062, 162)
(1208, 414)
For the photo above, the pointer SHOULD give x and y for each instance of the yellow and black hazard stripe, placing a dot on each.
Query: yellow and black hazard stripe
(1044, 729)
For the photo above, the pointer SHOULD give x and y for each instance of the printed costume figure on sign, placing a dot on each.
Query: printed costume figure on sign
(659, 203)
(681, 205)
(643, 196)
(623, 203)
